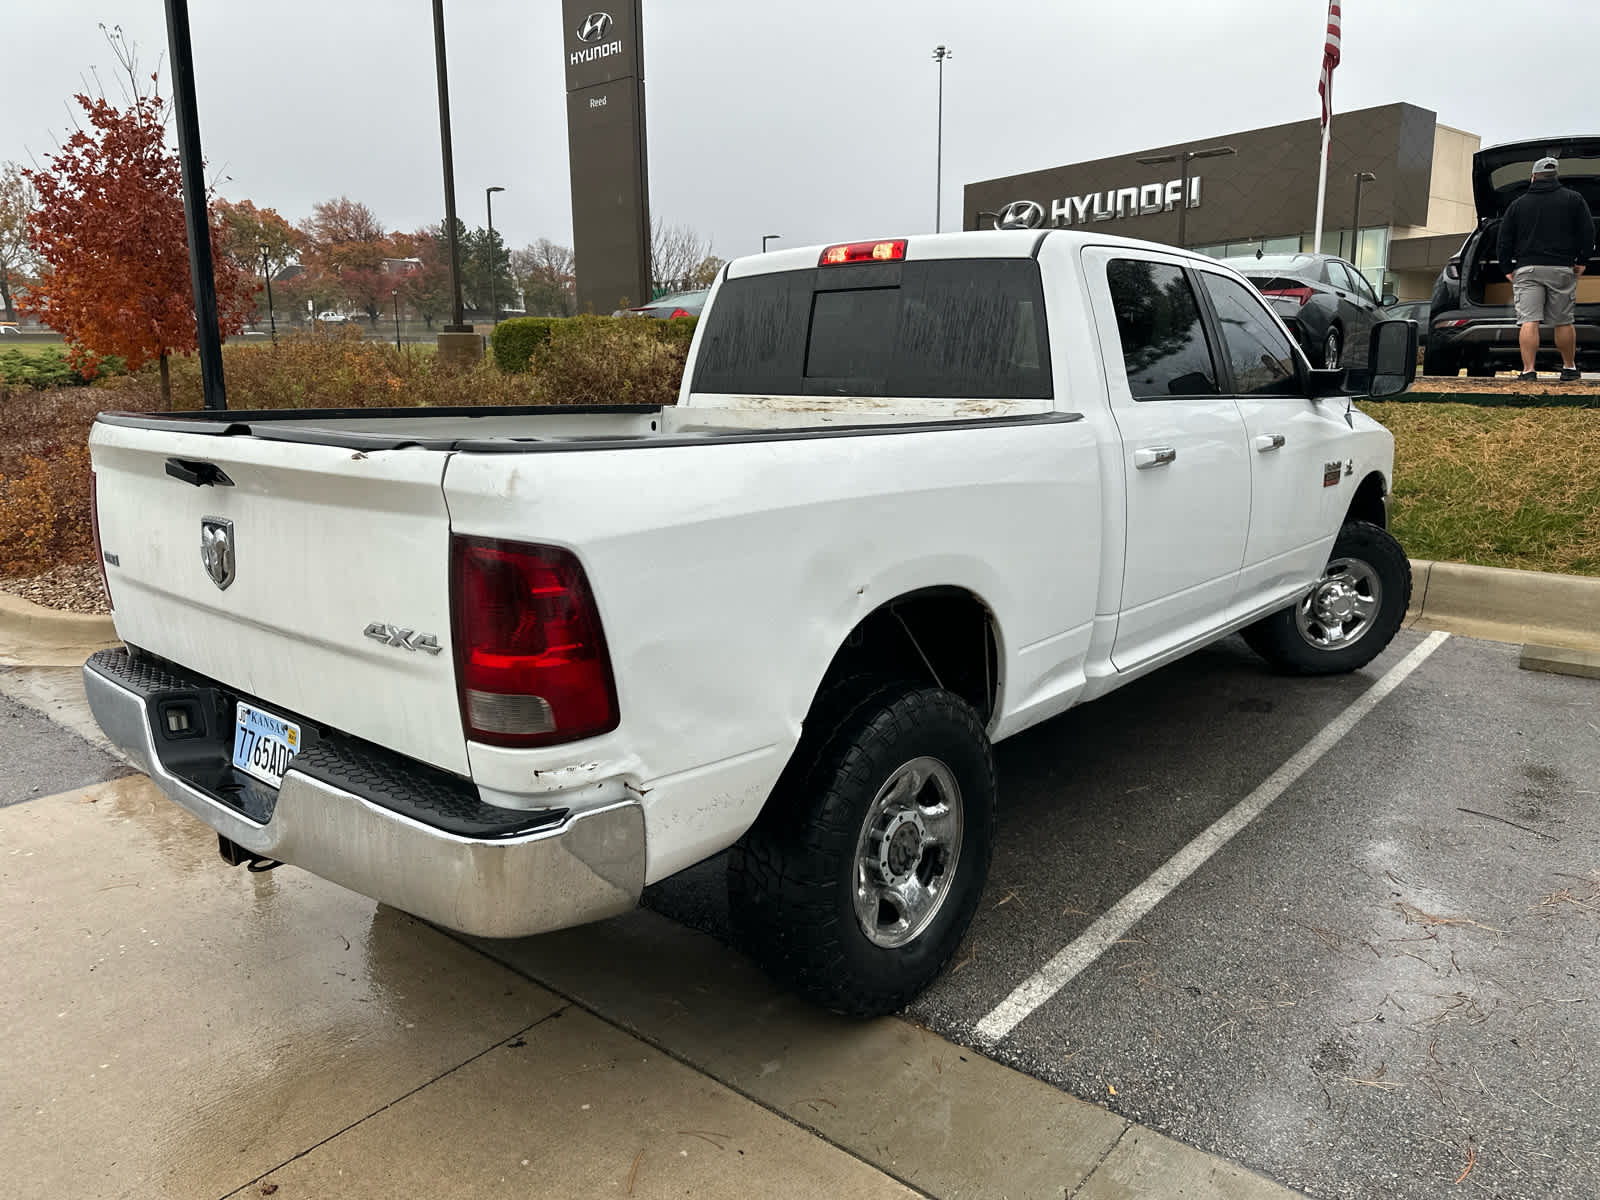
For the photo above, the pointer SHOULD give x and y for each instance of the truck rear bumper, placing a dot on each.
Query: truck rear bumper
(541, 871)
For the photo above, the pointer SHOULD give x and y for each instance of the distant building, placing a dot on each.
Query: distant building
(1414, 215)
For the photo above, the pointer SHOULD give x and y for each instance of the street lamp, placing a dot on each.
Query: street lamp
(1186, 157)
(768, 237)
(494, 259)
(267, 273)
(394, 294)
(1355, 234)
(940, 55)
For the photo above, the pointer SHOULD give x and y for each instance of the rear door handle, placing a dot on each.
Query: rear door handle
(1154, 456)
(1270, 441)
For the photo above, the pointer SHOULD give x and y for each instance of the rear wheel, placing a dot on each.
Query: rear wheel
(859, 879)
(1350, 616)
(1440, 362)
(1480, 369)
(1332, 345)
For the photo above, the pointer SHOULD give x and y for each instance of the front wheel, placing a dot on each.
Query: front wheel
(1352, 613)
(859, 879)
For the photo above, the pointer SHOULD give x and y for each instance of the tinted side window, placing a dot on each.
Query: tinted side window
(955, 328)
(1163, 340)
(1259, 352)
(1339, 277)
(755, 340)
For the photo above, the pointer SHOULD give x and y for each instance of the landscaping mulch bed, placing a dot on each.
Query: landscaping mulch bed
(74, 587)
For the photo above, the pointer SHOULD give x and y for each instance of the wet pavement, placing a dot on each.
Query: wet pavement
(1383, 986)
(1385, 983)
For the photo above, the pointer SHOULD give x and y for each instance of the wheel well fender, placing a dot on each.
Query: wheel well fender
(1371, 501)
(946, 636)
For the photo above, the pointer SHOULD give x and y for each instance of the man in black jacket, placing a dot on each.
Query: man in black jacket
(1546, 238)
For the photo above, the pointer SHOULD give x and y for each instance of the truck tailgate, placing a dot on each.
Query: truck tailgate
(326, 542)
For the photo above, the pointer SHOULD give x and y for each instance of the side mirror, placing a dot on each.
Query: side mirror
(1389, 298)
(1391, 358)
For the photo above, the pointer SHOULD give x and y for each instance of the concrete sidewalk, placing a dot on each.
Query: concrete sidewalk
(180, 1030)
(191, 1031)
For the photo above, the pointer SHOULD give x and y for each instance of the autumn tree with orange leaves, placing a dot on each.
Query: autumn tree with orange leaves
(110, 237)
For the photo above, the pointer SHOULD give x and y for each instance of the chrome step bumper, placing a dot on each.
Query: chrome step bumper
(571, 869)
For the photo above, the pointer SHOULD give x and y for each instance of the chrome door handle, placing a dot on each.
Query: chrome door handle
(1154, 456)
(1270, 441)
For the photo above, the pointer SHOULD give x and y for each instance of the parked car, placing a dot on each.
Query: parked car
(1473, 323)
(1412, 310)
(916, 496)
(332, 318)
(1327, 304)
(9, 331)
(680, 304)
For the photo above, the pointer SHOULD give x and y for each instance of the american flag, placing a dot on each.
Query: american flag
(1330, 60)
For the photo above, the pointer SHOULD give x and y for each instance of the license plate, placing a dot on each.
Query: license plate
(263, 744)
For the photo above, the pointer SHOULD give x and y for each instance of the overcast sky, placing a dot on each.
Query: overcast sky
(811, 120)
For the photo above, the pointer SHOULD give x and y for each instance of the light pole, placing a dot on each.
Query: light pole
(494, 259)
(768, 237)
(266, 273)
(1186, 157)
(456, 325)
(1355, 221)
(394, 294)
(940, 55)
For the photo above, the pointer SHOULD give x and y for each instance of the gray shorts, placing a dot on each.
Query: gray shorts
(1545, 294)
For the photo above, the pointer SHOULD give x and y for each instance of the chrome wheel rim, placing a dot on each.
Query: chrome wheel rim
(1342, 607)
(907, 852)
(1330, 350)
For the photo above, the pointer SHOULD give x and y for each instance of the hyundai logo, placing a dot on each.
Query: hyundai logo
(216, 549)
(595, 27)
(1020, 214)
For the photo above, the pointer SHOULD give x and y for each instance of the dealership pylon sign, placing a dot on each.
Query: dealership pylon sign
(604, 57)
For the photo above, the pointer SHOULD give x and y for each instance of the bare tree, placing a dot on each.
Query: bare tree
(544, 271)
(676, 251)
(16, 251)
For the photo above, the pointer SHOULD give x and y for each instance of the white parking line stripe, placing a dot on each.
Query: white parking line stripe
(1112, 925)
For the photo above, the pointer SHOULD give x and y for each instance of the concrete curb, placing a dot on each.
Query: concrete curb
(32, 635)
(1506, 605)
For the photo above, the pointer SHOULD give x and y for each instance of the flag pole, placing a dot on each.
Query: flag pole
(1322, 184)
(1330, 60)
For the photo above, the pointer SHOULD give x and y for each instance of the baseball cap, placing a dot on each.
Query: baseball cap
(1546, 166)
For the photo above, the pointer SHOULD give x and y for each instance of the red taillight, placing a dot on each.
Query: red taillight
(854, 252)
(531, 661)
(94, 533)
(679, 312)
(1299, 295)
(1455, 324)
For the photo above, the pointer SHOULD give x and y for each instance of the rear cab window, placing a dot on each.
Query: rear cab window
(932, 328)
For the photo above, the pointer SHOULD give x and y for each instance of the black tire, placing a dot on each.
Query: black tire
(1332, 344)
(1303, 641)
(793, 878)
(1440, 362)
(1480, 369)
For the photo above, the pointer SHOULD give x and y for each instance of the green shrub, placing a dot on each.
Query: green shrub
(605, 360)
(679, 329)
(515, 341)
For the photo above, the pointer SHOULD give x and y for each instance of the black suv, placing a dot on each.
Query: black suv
(1472, 322)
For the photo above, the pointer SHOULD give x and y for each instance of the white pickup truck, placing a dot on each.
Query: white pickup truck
(505, 668)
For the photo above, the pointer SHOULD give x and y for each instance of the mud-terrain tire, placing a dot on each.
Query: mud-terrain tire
(858, 881)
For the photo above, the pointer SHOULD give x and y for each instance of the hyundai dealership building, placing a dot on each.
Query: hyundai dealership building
(1415, 178)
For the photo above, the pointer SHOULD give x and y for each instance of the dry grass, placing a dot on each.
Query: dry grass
(44, 465)
(1500, 487)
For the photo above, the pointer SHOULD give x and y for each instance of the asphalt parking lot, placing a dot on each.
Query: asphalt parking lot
(1384, 984)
